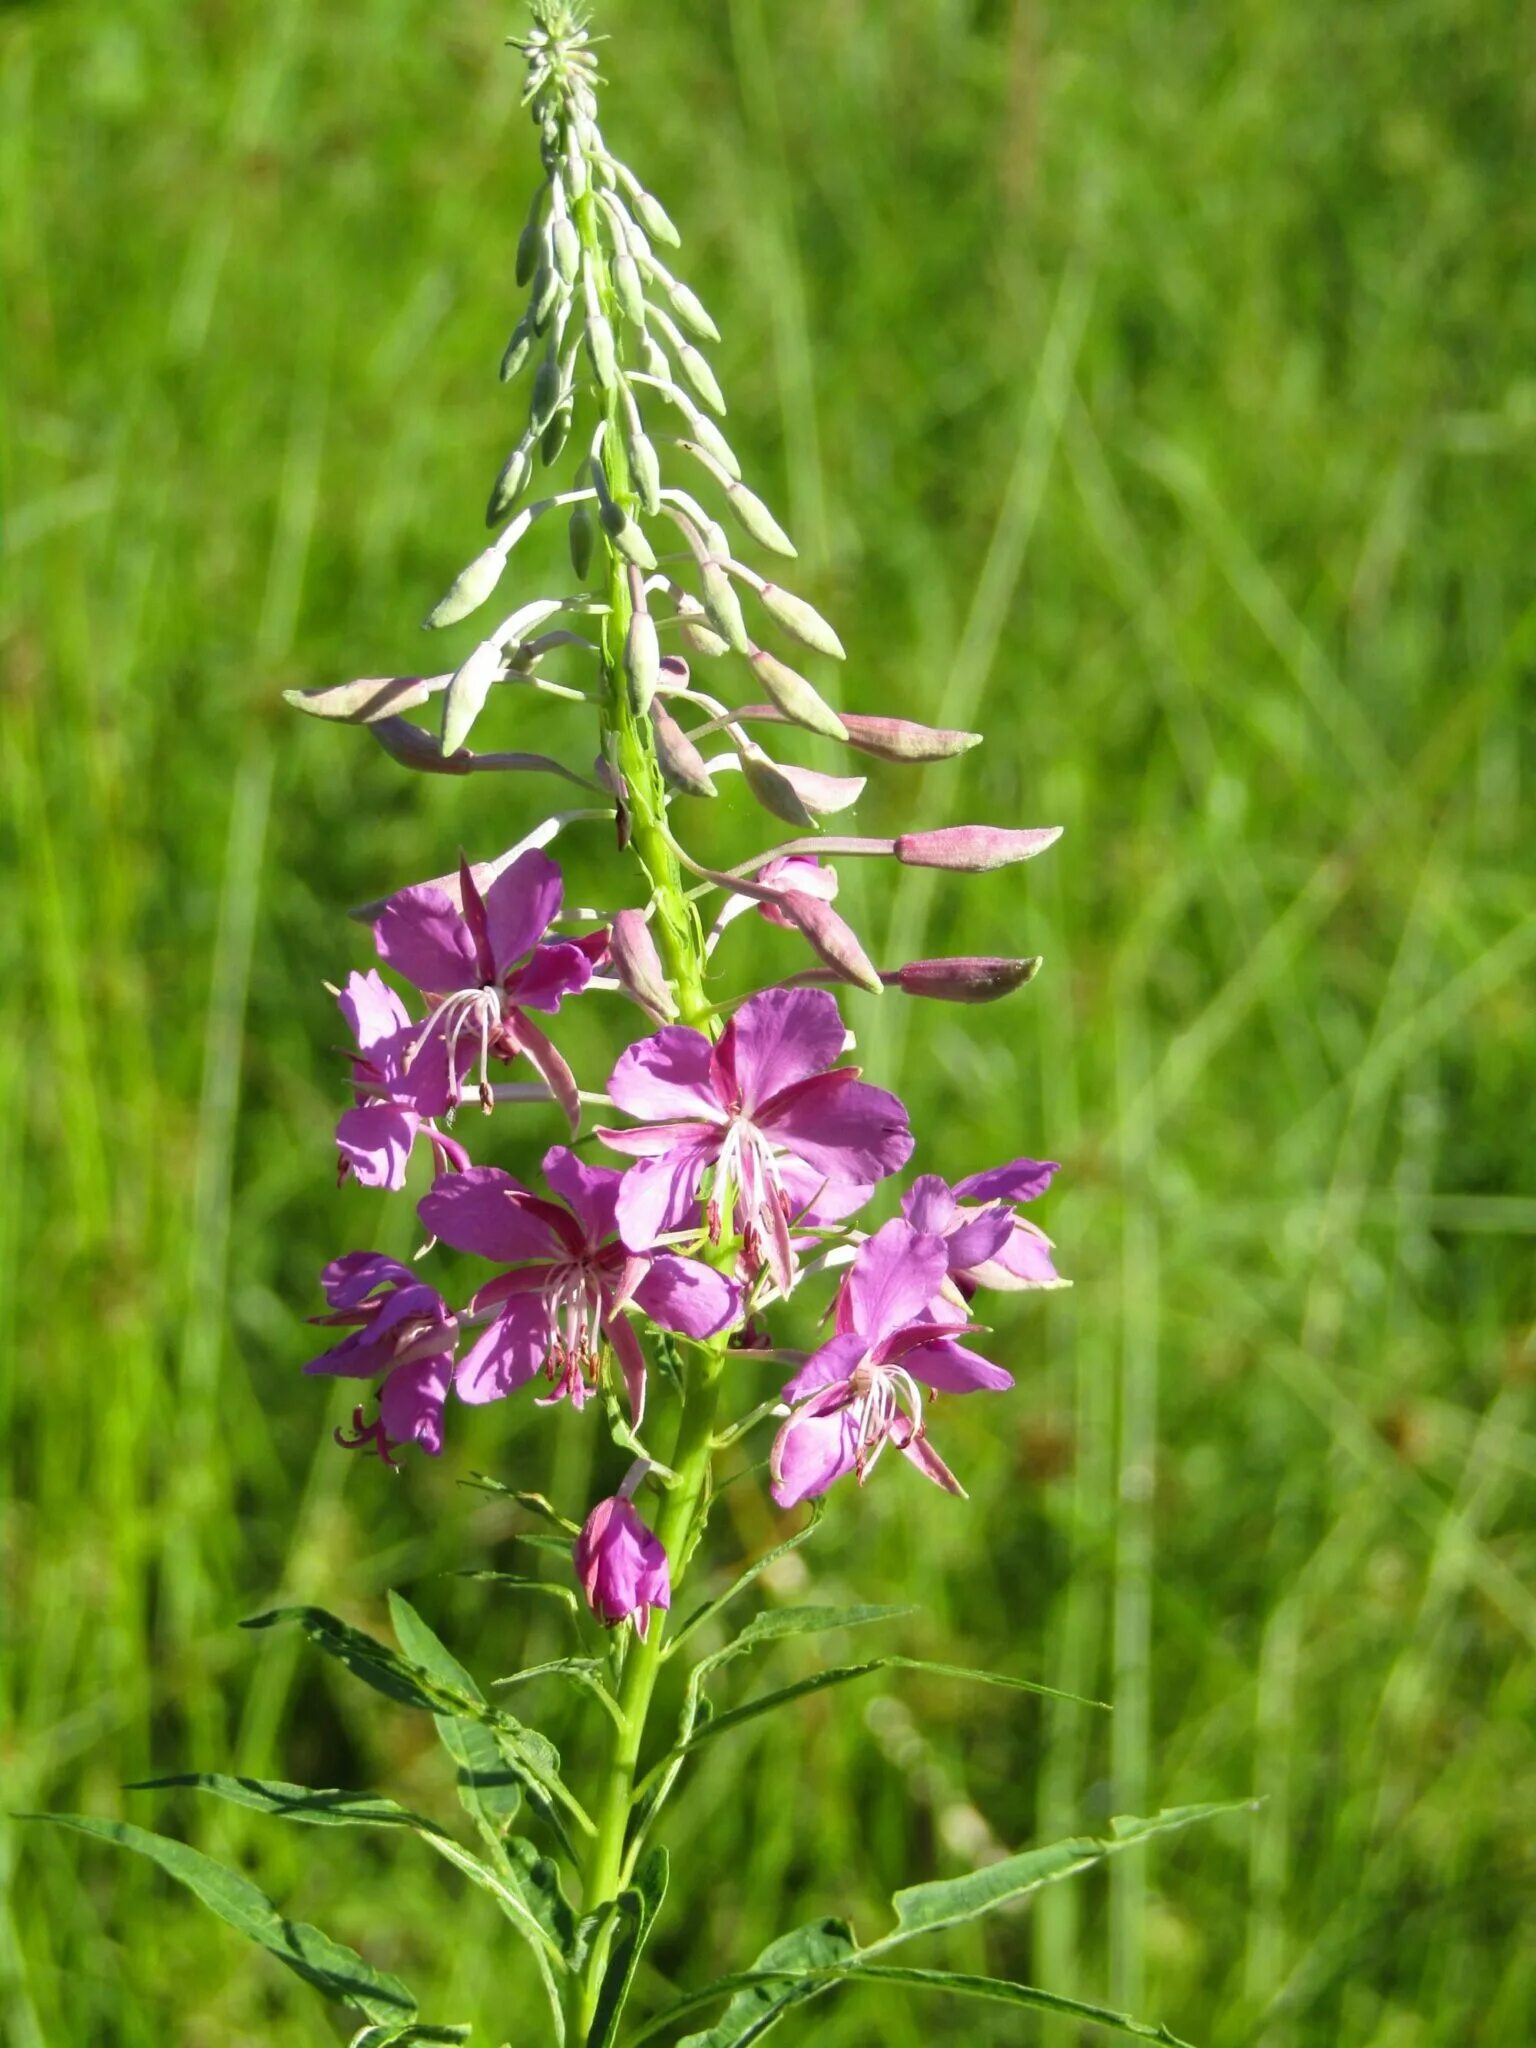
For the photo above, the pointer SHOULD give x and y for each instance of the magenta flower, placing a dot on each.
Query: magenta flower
(764, 1095)
(402, 1332)
(484, 967)
(988, 1246)
(861, 1390)
(569, 1279)
(621, 1565)
(400, 1088)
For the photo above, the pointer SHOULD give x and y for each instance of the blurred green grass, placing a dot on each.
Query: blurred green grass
(1152, 387)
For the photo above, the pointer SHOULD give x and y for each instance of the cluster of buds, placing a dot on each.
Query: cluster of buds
(751, 1147)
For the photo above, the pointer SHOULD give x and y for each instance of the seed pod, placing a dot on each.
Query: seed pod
(973, 980)
(655, 217)
(799, 618)
(973, 849)
(473, 585)
(605, 362)
(723, 606)
(758, 520)
(581, 538)
(696, 369)
(642, 661)
(795, 697)
(546, 395)
(467, 692)
(566, 245)
(628, 288)
(637, 965)
(517, 350)
(514, 474)
(681, 762)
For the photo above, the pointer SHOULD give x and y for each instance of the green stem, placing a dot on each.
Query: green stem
(677, 1528)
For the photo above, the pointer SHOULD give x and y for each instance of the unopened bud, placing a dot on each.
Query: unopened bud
(973, 849)
(554, 437)
(758, 520)
(566, 244)
(472, 586)
(516, 352)
(978, 980)
(366, 699)
(467, 692)
(514, 474)
(546, 395)
(644, 468)
(723, 606)
(681, 762)
(799, 618)
(547, 293)
(605, 363)
(629, 288)
(530, 246)
(696, 369)
(795, 697)
(702, 640)
(688, 306)
(833, 939)
(900, 739)
(654, 359)
(797, 795)
(655, 217)
(581, 538)
(642, 661)
(637, 964)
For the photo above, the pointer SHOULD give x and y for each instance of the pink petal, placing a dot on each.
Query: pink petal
(666, 1076)
(841, 1125)
(658, 1195)
(896, 1274)
(411, 1402)
(507, 1355)
(375, 1142)
(421, 934)
(626, 1347)
(810, 1453)
(348, 1281)
(978, 1238)
(487, 1212)
(833, 1365)
(952, 1369)
(1020, 1181)
(928, 1205)
(914, 1444)
(555, 972)
(520, 906)
(591, 1192)
(1025, 1261)
(777, 1039)
(687, 1296)
(372, 1009)
(650, 1141)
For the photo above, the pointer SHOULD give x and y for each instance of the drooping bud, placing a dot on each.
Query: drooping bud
(703, 379)
(548, 291)
(605, 362)
(902, 739)
(687, 305)
(553, 439)
(642, 661)
(566, 244)
(467, 692)
(973, 980)
(638, 967)
(581, 538)
(758, 520)
(621, 1566)
(797, 795)
(545, 399)
(617, 524)
(368, 698)
(513, 476)
(644, 464)
(798, 617)
(681, 762)
(474, 584)
(530, 243)
(701, 640)
(973, 849)
(517, 350)
(832, 938)
(795, 697)
(654, 217)
(628, 288)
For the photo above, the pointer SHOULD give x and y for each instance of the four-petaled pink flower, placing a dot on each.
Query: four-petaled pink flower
(988, 1246)
(864, 1388)
(401, 1087)
(484, 967)
(570, 1280)
(402, 1332)
(750, 1105)
(621, 1566)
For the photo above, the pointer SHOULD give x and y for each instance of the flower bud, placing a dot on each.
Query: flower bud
(554, 437)
(467, 692)
(758, 520)
(566, 244)
(974, 980)
(723, 606)
(514, 474)
(973, 849)
(644, 466)
(547, 294)
(629, 288)
(654, 215)
(642, 661)
(901, 739)
(530, 243)
(795, 697)
(621, 1566)
(366, 699)
(517, 349)
(688, 306)
(797, 795)
(681, 762)
(473, 585)
(834, 940)
(696, 369)
(701, 640)
(638, 967)
(581, 538)
(546, 394)
(799, 618)
(605, 363)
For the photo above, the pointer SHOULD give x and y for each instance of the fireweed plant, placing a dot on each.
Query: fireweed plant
(750, 1147)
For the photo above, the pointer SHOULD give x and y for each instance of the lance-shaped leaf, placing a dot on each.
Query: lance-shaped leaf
(585, 1673)
(638, 1906)
(763, 1999)
(330, 1966)
(522, 1583)
(965, 980)
(536, 1503)
(973, 849)
(795, 697)
(774, 1624)
(409, 2037)
(708, 1610)
(368, 698)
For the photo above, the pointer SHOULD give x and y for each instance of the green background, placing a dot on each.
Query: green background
(1152, 387)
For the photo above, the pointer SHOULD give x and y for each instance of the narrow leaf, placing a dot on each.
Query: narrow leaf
(775, 1623)
(764, 1996)
(584, 1672)
(638, 1905)
(330, 1966)
(744, 1578)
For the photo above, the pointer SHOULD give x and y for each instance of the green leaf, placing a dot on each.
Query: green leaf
(763, 1996)
(535, 1503)
(585, 1672)
(309, 1803)
(774, 1623)
(924, 1908)
(538, 1879)
(525, 1584)
(743, 1579)
(404, 2037)
(489, 1791)
(639, 1904)
(329, 1965)
(843, 1674)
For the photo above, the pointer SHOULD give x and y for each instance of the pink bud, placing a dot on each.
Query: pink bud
(970, 980)
(681, 762)
(638, 965)
(901, 739)
(621, 1566)
(833, 939)
(975, 849)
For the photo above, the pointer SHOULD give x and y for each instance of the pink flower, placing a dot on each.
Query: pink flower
(398, 1093)
(861, 1390)
(569, 1281)
(402, 1332)
(765, 1108)
(484, 967)
(621, 1565)
(988, 1246)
